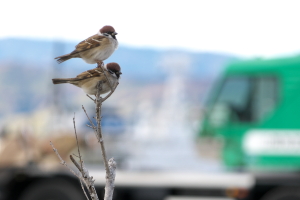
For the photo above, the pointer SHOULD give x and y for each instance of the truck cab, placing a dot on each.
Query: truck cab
(253, 112)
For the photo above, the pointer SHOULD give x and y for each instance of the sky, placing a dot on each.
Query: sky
(249, 28)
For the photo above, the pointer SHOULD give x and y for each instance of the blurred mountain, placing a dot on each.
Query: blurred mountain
(135, 62)
(27, 67)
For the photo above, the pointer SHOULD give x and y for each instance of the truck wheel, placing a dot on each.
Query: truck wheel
(283, 193)
(57, 189)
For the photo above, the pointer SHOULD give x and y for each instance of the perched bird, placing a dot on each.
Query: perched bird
(88, 80)
(95, 48)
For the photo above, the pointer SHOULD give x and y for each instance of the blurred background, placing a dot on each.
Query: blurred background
(171, 54)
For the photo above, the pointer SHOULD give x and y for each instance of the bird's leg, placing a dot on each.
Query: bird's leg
(100, 63)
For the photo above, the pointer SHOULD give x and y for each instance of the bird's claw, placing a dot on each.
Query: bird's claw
(100, 64)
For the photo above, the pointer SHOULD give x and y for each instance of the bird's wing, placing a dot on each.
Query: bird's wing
(91, 42)
(90, 74)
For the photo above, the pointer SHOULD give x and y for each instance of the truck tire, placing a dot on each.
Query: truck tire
(57, 189)
(283, 193)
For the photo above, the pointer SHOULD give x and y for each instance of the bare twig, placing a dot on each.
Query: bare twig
(110, 180)
(110, 166)
(62, 162)
(82, 187)
(112, 91)
(83, 176)
(93, 126)
(89, 126)
(77, 143)
(86, 179)
(88, 116)
(75, 155)
(91, 98)
(99, 129)
(75, 163)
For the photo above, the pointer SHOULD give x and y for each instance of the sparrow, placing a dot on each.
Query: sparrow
(89, 79)
(95, 48)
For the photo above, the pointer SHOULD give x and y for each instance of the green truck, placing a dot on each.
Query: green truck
(253, 113)
(251, 118)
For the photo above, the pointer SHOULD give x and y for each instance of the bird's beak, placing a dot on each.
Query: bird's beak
(118, 74)
(114, 33)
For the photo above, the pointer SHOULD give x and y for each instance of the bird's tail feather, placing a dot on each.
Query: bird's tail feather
(63, 58)
(61, 80)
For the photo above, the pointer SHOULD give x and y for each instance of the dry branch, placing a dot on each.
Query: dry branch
(110, 166)
(83, 174)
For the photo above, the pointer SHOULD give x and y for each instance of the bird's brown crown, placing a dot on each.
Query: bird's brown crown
(114, 67)
(107, 29)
